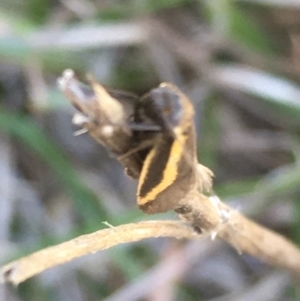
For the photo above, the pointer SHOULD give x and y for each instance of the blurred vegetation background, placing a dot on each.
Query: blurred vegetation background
(239, 62)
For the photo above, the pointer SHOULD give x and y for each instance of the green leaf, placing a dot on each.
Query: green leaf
(210, 134)
(236, 188)
(247, 31)
(226, 17)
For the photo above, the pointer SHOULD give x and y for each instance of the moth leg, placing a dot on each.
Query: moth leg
(143, 145)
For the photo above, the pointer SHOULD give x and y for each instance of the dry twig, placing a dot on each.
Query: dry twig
(24, 268)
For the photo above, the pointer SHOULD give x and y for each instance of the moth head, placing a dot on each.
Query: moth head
(168, 107)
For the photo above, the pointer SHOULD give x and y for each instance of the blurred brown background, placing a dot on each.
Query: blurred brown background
(238, 61)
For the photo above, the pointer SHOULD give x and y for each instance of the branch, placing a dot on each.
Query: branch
(29, 266)
(243, 234)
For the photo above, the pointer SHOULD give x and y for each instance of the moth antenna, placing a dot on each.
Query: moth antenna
(80, 132)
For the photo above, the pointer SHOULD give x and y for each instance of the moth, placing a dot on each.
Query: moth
(170, 168)
(152, 136)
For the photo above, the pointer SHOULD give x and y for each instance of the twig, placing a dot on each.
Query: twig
(260, 242)
(24, 268)
(243, 234)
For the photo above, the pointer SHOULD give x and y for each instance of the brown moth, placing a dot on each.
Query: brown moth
(170, 168)
(153, 137)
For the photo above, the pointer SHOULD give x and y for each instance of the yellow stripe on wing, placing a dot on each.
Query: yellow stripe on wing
(169, 174)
